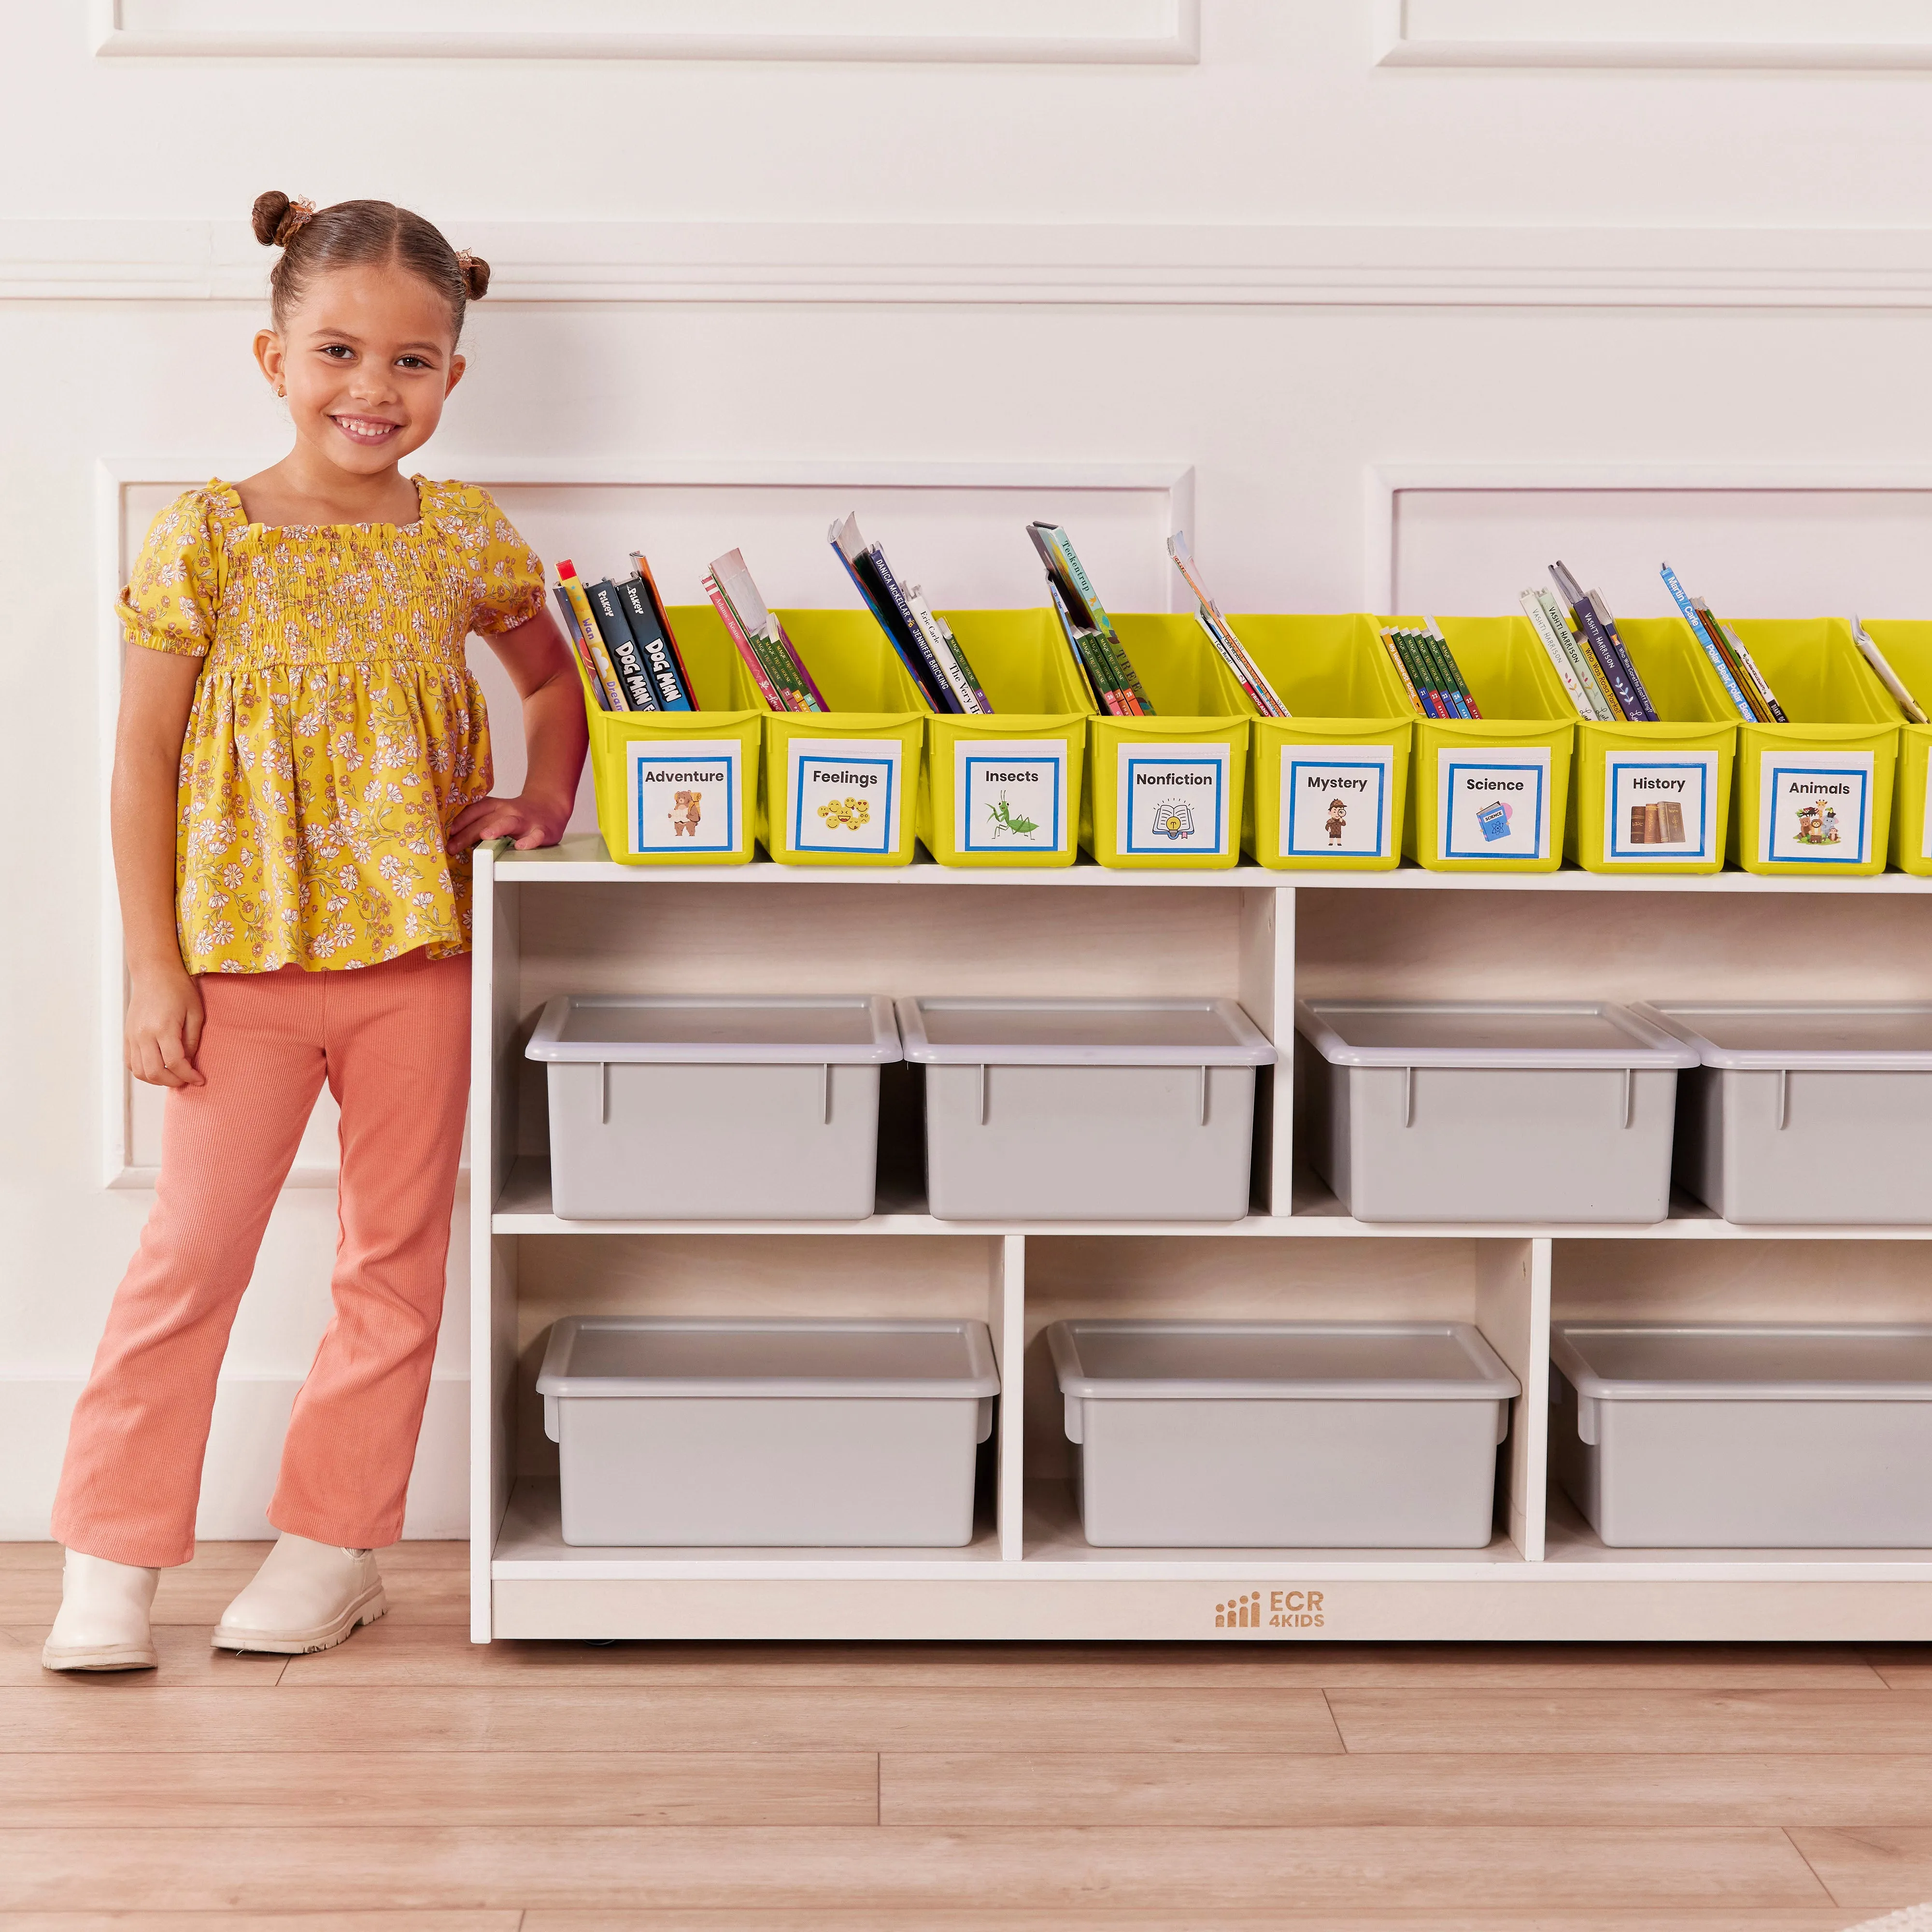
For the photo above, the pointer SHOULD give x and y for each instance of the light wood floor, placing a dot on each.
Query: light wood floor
(411, 1782)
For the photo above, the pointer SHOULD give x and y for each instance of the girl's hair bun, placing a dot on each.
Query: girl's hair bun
(476, 273)
(278, 219)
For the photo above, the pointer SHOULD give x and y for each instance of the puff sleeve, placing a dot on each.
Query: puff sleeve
(173, 594)
(510, 577)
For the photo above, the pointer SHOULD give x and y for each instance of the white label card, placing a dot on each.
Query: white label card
(846, 794)
(1009, 795)
(1336, 800)
(1659, 809)
(1173, 799)
(1491, 803)
(1814, 808)
(686, 794)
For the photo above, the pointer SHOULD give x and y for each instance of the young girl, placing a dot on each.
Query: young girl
(301, 770)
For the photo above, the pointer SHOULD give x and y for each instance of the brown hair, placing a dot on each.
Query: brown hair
(352, 233)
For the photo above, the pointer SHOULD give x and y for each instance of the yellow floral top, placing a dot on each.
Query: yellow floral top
(337, 731)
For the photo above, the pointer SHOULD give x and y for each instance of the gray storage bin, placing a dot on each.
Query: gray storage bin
(1282, 1435)
(739, 1109)
(1504, 1110)
(1087, 1110)
(764, 1434)
(1745, 1435)
(1803, 1111)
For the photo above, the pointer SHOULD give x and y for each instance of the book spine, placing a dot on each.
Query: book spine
(872, 598)
(792, 666)
(587, 623)
(945, 647)
(931, 674)
(593, 684)
(1559, 659)
(1261, 694)
(1093, 666)
(1402, 671)
(964, 663)
(1750, 663)
(1646, 711)
(1467, 697)
(650, 584)
(754, 663)
(1607, 664)
(1428, 700)
(645, 628)
(1063, 545)
(1218, 644)
(1868, 649)
(1604, 709)
(1732, 689)
(1133, 693)
(1720, 643)
(1441, 670)
(618, 640)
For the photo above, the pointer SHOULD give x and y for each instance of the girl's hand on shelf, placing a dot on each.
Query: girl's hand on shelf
(163, 1029)
(530, 822)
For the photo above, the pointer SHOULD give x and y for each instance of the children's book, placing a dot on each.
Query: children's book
(1089, 632)
(1744, 683)
(934, 667)
(643, 611)
(1566, 652)
(1611, 661)
(592, 638)
(1869, 650)
(593, 678)
(1221, 635)
(775, 666)
(639, 692)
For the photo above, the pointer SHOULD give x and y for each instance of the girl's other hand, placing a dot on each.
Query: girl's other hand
(528, 821)
(164, 1028)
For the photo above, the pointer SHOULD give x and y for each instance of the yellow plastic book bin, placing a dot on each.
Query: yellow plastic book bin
(1908, 648)
(1682, 766)
(682, 787)
(1165, 792)
(842, 785)
(1327, 787)
(1491, 794)
(1814, 796)
(1005, 790)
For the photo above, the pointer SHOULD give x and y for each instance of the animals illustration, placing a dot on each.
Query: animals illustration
(851, 813)
(686, 811)
(1337, 819)
(1817, 824)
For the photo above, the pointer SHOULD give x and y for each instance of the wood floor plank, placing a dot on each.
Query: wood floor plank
(1819, 1918)
(43, 1558)
(882, 1870)
(391, 1654)
(1497, 1721)
(187, 1658)
(1879, 1868)
(258, 1921)
(298, 1719)
(111, 1790)
(1904, 1666)
(1161, 1790)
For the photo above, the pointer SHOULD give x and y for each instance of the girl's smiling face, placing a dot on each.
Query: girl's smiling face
(365, 359)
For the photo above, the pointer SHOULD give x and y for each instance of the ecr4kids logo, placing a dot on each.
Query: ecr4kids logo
(1272, 1609)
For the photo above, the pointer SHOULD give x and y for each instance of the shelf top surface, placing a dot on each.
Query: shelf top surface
(583, 859)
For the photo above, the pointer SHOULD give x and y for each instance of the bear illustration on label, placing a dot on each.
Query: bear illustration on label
(686, 809)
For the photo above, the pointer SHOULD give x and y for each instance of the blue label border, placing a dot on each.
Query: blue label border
(799, 757)
(1647, 854)
(1488, 851)
(1859, 775)
(728, 760)
(1059, 765)
(1220, 767)
(1384, 829)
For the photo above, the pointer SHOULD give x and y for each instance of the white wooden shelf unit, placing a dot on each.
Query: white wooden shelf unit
(567, 919)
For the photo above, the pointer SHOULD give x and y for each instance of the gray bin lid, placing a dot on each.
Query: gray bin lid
(1082, 1032)
(1539, 1034)
(632, 1356)
(1794, 1036)
(835, 1030)
(1277, 1361)
(1659, 1361)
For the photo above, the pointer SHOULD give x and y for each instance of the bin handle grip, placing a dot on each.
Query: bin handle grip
(1409, 1096)
(604, 1101)
(982, 1071)
(1203, 1121)
(1784, 1098)
(825, 1095)
(1630, 1087)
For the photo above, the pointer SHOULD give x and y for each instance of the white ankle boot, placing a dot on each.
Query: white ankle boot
(306, 1596)
(103, 1624)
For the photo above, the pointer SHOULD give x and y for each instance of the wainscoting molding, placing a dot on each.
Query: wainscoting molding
(980, 264)
(1036, 31)
(1813, 35)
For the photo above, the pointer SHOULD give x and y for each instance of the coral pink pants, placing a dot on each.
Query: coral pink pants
(392, 1041)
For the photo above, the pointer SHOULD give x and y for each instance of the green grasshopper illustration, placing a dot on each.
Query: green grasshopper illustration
(1004, 821)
